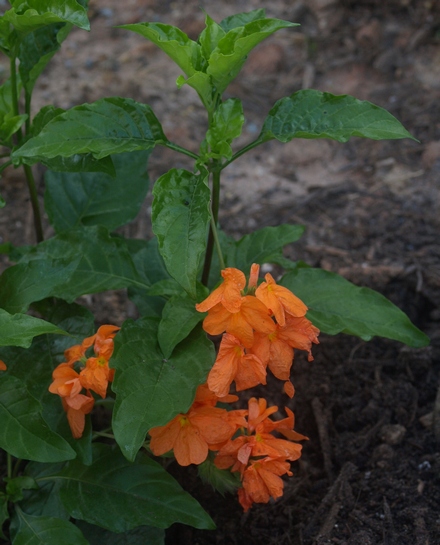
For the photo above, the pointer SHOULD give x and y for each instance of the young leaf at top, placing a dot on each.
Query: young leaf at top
(151, 389)
(226, 125)
(119, 495)
(232, 50)
(174, 42)
(29, 15)
(241, 19)
(338, 306)
(36, 50)
(73, 199)
(29, 530)
(20, 329)
(210, 36)
(180, 217)
(107, 126)
(313, 114)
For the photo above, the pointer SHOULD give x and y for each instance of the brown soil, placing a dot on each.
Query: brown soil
(370, 473)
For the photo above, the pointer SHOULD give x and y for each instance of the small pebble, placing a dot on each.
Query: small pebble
(392, 434)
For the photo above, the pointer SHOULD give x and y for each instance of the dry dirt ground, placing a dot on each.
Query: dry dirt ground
(370, 473)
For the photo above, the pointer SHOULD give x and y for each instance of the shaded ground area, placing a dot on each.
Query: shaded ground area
(370, 473)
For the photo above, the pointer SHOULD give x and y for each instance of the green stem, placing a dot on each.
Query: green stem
(14, 92)
(103, 434)
(241, 152)
(27, 169)
(27, 109)
(178, 148)
(34, 200)
(9, 464)
(5, 165)
(213, 236)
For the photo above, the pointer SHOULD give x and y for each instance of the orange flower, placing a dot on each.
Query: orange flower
(2, 366)
(96, 375)
(68, 386)
(228, 293)
(66, 382)
(233, 364)
(279, 300)
(300, 333)
(275, 349)
(262, 481)
(102, 341)
(251, 315)
(192, 434)
(76, 408)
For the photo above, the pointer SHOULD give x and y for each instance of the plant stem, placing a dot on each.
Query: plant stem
(213, 236)
(103, 434)
(27, 169)
(34, 200)
(178, 148)
(27, 109)
(9, 464)
(241, 152)
(14, 92)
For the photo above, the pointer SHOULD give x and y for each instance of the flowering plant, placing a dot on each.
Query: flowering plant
(159, 380)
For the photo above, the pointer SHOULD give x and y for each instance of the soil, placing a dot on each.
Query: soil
(370, 472)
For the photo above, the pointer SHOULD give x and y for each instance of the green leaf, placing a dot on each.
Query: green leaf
(150, 389)
(260, 246)
(4, 514)
(42, 118)
(20, 329)
(338, 306)
(232, 50)
(210, 36)
(36, 50)
(142, 535)
(23, 432)
(29, 15)
(313, 114)
(29, 530)
(74, 199)
(179, 318)
(44, 502)
(180, 217)
(184, 52)
(9, 123)
(241, 19)
(105, 127)
(80, 163)
(34, 366)
(201, 82)
(16, 485)
(119, 495)
(227, 124)
(85, 260)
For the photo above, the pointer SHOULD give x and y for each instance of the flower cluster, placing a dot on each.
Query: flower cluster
(94, 374)
(261, 327)
(242, 439)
